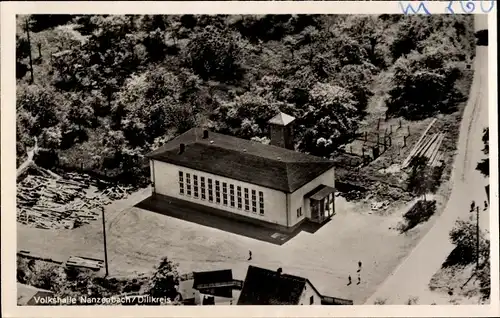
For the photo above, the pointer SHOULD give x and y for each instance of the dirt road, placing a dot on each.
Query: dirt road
(411, 278)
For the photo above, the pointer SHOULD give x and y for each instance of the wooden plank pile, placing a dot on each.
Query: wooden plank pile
(49, 201)
(78, 261)
(421, 144)
(429, 149)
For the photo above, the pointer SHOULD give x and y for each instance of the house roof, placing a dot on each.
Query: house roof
(244, 160)
(26, 294)
(266, 287)
(212, 277)
(281, 119)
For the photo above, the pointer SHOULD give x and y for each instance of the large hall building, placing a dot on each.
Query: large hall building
(271, 183)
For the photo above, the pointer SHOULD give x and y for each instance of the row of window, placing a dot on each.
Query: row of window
(232, 198)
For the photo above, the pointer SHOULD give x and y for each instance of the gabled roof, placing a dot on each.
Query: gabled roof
(266, 287)
(244, 160)
(212, 277)
(27, 295)
(281, 119)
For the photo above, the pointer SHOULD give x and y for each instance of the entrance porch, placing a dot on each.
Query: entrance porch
(322, 203)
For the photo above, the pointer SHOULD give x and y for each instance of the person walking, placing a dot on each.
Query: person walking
(249, 255)
(350, 280)
(472, 205)
(485, 205)
(359, 266)
(359, 279)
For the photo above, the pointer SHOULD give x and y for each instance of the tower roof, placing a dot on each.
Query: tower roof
(281, 119)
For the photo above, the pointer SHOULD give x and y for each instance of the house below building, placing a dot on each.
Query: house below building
(210, 288)
(267, 287)
(268, 184)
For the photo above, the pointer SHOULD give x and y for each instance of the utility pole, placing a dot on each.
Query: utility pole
(477, 238)
(105, 246)
(29, 44)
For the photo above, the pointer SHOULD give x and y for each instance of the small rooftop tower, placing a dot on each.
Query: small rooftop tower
(281, 127)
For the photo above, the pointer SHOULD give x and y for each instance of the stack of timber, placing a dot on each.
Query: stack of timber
(423, 139)
(91, 263)
(428, 149)
(48, 201)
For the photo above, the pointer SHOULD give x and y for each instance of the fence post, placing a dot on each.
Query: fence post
(404, 141)
(390, 141)
(399, 123)
(408, 130)
(390, 130)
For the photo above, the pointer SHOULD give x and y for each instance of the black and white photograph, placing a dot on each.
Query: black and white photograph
(248, 159)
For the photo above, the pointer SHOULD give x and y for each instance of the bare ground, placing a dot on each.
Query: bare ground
(137, 239)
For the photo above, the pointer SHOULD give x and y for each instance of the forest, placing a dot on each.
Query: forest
(105, 90)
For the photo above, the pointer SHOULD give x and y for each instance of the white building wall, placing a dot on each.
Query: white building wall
(305, 298)
(296, 199)
(166, 181)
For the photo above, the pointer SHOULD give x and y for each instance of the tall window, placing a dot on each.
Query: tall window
(217, 191)
(202, 181)
(247, 201)
(224, 193)
(254, 201)
(261, 203)
(188, 183)
(231, 195)
(181, 182)
(238, 195)
(195, 186)
(210, 190)
(299, 212)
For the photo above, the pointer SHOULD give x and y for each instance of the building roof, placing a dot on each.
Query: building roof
(321, 192)
(212, 277)
(281, 119)
(244, 160)
(266, 287)
(26, 295)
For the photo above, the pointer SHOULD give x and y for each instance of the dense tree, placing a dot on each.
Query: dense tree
(164, 280)
(464, 236)
(422, 85)
(246, 116)
(368, 32)
(213, 54)
(144, 79)
(484, 165)
(40, 104)
(357, 79)
(330, 119)
(40, 22)
(423, 178)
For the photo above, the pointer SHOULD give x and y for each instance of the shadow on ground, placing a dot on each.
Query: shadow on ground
(215, 218)
(419, 213)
